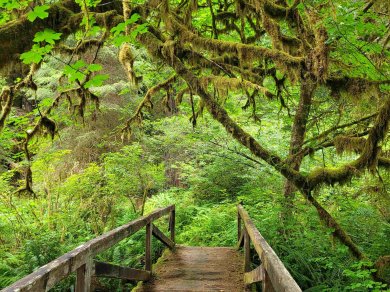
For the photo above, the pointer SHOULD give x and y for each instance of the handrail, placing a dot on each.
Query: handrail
(80, 260)
(272, 272)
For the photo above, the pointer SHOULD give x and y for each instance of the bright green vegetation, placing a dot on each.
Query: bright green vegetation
(109, 110)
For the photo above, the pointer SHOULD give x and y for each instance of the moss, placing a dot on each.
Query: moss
(349, 144)
(244, 51)
(331, 175)
(6, 99)
(225, 83)
(146, 103)
(127, 60)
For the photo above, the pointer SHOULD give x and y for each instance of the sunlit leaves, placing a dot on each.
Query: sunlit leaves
(73, 71)
(96, 80)
(78, 72)
(36, 54)
(118, 36)
(38, 12)
(48, 36)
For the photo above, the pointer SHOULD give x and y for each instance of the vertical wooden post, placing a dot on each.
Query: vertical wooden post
(266, 284)
(247, 252)
(148, 248)
(83, 276)
(238, 226)
(172, 224)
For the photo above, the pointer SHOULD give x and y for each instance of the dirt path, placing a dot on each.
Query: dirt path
(197, 269)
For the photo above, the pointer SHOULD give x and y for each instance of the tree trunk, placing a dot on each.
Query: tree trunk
(297, 139)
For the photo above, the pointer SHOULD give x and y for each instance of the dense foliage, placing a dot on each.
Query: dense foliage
(110, 109)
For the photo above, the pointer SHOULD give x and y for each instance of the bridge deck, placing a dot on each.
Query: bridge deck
(197, 269)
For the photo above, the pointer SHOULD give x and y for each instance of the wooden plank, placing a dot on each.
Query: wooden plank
(239, 231)
(148, 248)
(172, 219)
(266, 285)
(240, 242)
(247, 252)
(48, 275)
(83, 276)
(254, 276)
(162, 237)
(118, 272)
(277, 272)
(80, 278)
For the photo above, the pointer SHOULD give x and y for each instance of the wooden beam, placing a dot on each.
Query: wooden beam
(240, 242)
(278, 274)
(148, 248)
(118, 272)
(247, 252)
(172, 219)
(50, 274)
(254, 276)
(162, 237)
(83, 276)
(266, 285)
(239, 231)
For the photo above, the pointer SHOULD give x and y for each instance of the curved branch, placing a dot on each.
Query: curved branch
(155, 48)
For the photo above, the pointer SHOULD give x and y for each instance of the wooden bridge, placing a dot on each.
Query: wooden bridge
(180, 268)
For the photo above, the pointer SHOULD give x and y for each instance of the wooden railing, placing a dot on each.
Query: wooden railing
(80, 260)
(271, 272)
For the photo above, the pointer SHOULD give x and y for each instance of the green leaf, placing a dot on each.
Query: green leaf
(35, 55)
(31, 57)
(97, 80)
(73, 73)
(95, 67)
(38, 12)
(122, 26)
(48, 35)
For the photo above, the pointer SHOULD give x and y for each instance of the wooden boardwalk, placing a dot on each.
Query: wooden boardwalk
(180, 268)
(197, 269)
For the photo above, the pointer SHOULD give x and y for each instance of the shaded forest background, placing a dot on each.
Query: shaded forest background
(126, 107)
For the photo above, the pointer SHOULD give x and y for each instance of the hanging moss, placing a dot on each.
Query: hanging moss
(349, 144)
(127, 60)
(244, 51)
(146, 103)
(225, 83)
(6, 99)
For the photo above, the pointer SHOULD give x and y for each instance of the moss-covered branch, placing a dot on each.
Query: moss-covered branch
(368, 158)
(64, 16)
(155, 48)
(244, 51)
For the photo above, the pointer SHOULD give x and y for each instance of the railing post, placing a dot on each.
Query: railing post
(172, 224)
(238, 226)
(266, 284)
(148, 247)
(83, 276)
(247, 252)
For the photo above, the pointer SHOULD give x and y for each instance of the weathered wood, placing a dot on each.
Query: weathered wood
(80, 278)
(48, 275)
(197, 269)
(247, 252)
(162, 237)
(172, 224)
(266, 285)
(83, 276)
(148, 248)
(114, 271)
(240, 242)
(239, 230)
(254, 276)
(279, 276)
